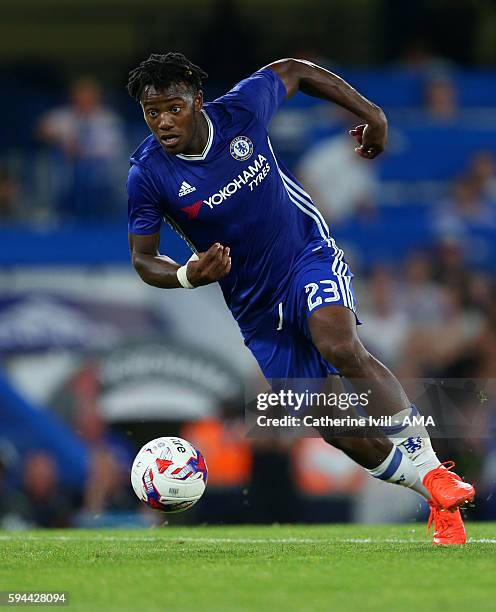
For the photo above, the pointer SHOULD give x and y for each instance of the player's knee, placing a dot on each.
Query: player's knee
(343, 354)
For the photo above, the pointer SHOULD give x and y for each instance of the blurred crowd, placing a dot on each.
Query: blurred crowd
(76, 165)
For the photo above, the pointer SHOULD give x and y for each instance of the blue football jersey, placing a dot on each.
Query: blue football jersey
(236, 192)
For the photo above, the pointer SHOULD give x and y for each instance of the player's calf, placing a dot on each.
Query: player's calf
(367, 452)
(382, 460)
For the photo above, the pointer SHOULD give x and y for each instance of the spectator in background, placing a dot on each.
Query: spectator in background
(449, 266)
(41, 502)
(465, 221)
(89, 146)
(341, 182)
(8, 456)
(455, 336)
(419, 55)
(466, 207)
(110, 454)
(482, 172)
(326, 480)
(229, 456)
(9, 196)
(440, 98)
(419, 296)
(468, 219)
(387, 327)
(107, 485)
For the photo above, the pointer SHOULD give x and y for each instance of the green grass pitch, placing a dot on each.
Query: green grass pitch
(247, 568)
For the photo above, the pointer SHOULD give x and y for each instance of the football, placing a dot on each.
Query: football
(169, 474)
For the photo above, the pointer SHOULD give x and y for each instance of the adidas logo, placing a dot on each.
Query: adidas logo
(185, 189)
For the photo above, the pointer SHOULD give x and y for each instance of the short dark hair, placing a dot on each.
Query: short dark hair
(161, 71)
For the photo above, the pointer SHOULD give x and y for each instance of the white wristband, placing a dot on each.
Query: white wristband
(181, 273)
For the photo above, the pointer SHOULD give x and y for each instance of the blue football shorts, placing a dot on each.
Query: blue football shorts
(281, 341)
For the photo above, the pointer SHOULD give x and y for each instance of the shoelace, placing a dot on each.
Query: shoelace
(437, 473)
(448, 465)
(431, 519)
(442, 524)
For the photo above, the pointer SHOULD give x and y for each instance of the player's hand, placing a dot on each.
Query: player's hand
(211, 266)
(371, 138)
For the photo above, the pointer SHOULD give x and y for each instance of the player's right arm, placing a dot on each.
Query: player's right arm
(145, 221)
(161, 271)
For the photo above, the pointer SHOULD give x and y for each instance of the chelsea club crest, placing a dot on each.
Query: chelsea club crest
(241, 148)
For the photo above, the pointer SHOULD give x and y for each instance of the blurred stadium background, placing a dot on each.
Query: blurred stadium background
(94, 363)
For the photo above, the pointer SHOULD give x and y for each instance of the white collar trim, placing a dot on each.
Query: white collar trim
(210, 139)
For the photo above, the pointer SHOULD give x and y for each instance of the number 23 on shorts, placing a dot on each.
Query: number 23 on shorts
(330, 288)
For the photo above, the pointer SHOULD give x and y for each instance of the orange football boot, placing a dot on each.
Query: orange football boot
(448, 526)
(447, 489)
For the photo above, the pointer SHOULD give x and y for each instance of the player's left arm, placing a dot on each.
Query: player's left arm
(301, 75)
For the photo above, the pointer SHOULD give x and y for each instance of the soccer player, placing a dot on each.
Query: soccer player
(210, 171)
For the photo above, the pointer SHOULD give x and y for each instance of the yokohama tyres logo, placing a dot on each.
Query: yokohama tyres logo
(252, 176)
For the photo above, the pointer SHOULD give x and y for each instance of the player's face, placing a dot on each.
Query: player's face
(173, 117)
